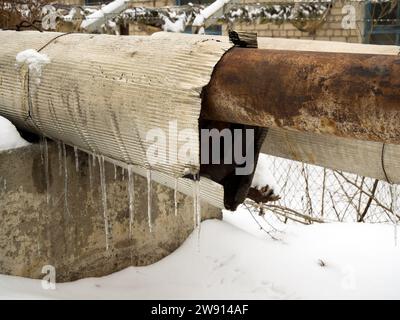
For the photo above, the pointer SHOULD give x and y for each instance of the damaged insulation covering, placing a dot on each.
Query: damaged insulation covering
(103, 94)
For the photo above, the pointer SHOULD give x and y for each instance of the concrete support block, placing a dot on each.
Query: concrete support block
(69, 231)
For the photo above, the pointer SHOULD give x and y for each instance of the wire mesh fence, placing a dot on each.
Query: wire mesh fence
(311, 193)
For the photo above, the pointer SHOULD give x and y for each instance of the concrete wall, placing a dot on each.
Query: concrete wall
(69, 232)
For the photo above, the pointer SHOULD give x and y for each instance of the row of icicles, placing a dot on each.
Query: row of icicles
(93, 158)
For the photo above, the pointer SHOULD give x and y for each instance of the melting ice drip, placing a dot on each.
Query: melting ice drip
(104, 197)
(197, 207)
(196, 203)
(131, 190)
(76, 159)
(41, 145)
(64, 150)
(149, 195)
(45, 160)
(60, 157)
(94, 161)
(4, 184)
(46, 170)
(176, 197)
(394, 192)
(90, 171)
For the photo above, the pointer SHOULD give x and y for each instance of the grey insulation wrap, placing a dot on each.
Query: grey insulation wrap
(326, 46)
(105, 93)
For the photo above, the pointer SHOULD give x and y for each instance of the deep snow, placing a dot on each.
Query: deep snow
(238, 261)
(234, 259)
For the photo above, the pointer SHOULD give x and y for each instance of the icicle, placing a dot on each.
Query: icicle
(176, 197)
(104, 196)
(76, 159)
(94, 160)
(197, 207)
(41, 146)
(60, 157)
(196, 202)
(4, 184)
(123, 173)
(45, 156)
(394, 193)
(115, 171)
(65, 180)
(90, 171)
(148, 173)
(46, 170)
(38, 248)
(131, 190)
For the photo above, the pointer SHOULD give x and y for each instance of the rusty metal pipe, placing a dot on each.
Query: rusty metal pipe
(348, 95)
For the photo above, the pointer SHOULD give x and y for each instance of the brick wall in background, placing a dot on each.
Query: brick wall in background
(71, 2)
(153, 3)
(330, 30)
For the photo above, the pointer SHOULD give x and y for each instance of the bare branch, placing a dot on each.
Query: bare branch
(362, 216)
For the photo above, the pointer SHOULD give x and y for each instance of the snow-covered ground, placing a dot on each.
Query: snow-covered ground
(235, 260)
(9, 136)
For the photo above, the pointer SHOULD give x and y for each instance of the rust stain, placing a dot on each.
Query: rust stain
(350, 95)
(327, 126)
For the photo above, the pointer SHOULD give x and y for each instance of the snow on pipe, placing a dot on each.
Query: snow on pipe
(94, 21)
(210, 11)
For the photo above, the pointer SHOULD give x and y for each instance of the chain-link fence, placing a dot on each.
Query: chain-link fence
(311, 193)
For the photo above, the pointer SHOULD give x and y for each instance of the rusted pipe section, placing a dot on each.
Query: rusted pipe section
(348, 95)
